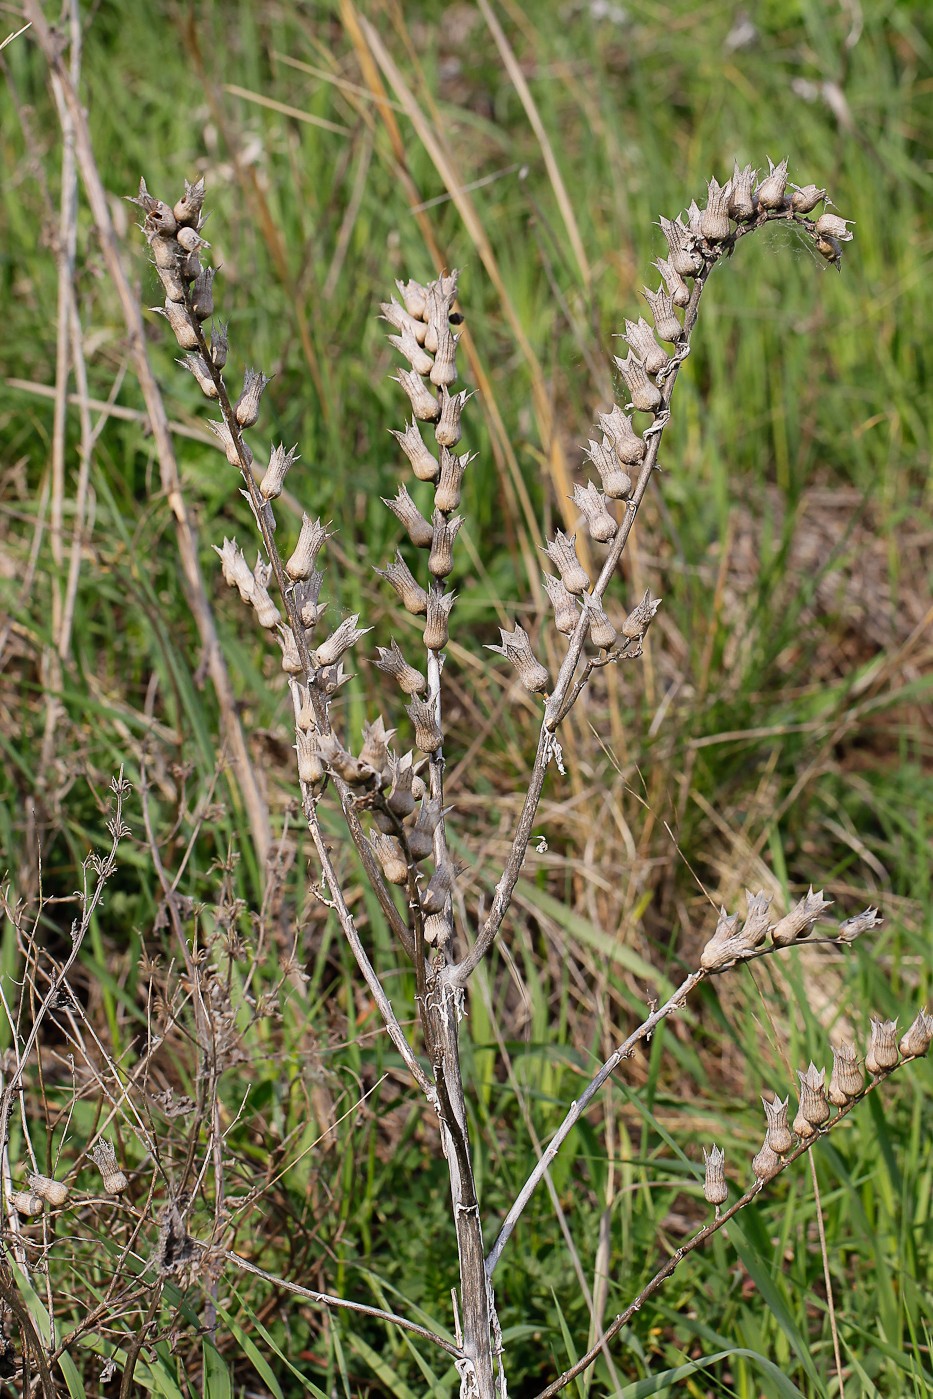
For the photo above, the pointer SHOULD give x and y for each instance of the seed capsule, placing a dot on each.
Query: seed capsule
(813, 1109)
(645, 395)
(846, 1081)
(388, 851)
(26, 1202)
(770, 193)
(714, 220)
(563, 555)
(741, 205)
(779, 1136)
(916, 1041)
(423, 464)
(882, 1051)
(767, 1163)
(714, 1185)
(105, 1159)
(516, 647)
(55, 1192)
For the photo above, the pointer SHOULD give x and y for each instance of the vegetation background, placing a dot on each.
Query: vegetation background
(777, 733)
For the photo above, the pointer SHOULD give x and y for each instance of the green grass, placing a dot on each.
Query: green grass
(778, 723)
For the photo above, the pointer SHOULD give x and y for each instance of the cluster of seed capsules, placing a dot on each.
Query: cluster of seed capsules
(817, 1099)
(44, 1190)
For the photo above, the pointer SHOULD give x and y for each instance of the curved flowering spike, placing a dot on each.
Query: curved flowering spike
(404, 509)
(423, 714)
(666, 322)
(424, 404)
(388, 851)
(617, 483)
(683, 256)
(640, 337)
(516, 647)
(676, 286)
(741, 203)
(441, 557)
(411, 594)
(565, 608)
(714, 1185)
(447, 432)
(340, 641)
(861, 923)
(846, 1082)
(714, 220)
(407, 344)
(247, 405)
(814, 1109)
(311, 540)
(779, 1136)
(423, 464)
(917, 1040)
(645, 395)
(437, 622)
(798, 923)
(882, 1051)
(624, 440)
(280, 462)
(831, 226)
(602, 633)
(563, 555)
(447, 495)
(640, 618)
(770, 193)
(805, 199)
(592, 505)
(236, 571)
(391, 660)
(767, 1163)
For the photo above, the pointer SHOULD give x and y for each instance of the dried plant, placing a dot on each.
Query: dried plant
(392, 797)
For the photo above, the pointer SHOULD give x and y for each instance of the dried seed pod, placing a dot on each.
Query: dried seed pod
(247, 405)
(676, 286)
(562, 553)
(723, 947)
(516, 647)
(292, 663)
(846, 1080)
(714, 220)
(602, 633)
(444, 369)
(645, 395)
(640, 618)
(640, 337)
(391, 660)
(105, 1159)
(804, 200)
(336, 645)
(565, 608)
(202, 293)
(741, 204)
(757, 921)
(798, 923)
(400, 319)
(420, 834)
(311, 539)
(441, 557)
(423, 464)
(196, 365)
(183, 327)
(330, 678)
(592, 505)
(26, 1202)
(625, 441)
(437, 622)
(861, 923)
(219, 345)
(306, 593)
(447, 495)
(694, 219)
(280, 462)
(437, 930)
(683, 256)
(917, 1040)
(55, 1192)
(714, 1185)
(423, 714)
(666, 321)
(408, 345)
(343, 764)
(400, 577)
(770, 193)
(400, 773)
(440, 887)
(779, 1136)
(616, 483)
(404, 508)
(167, 253)
(376, 740)
(306, 719)
(424, 404)
(267, 614)
(388, 851)
(415, 298)
(236, 571)
(236, 455)
(813, 1108)
(439, 300)
(310, 762)
(447, 433)
(831, 226)
(767, 1163)
(188, 209)
(172, 283)
(882, 1051)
